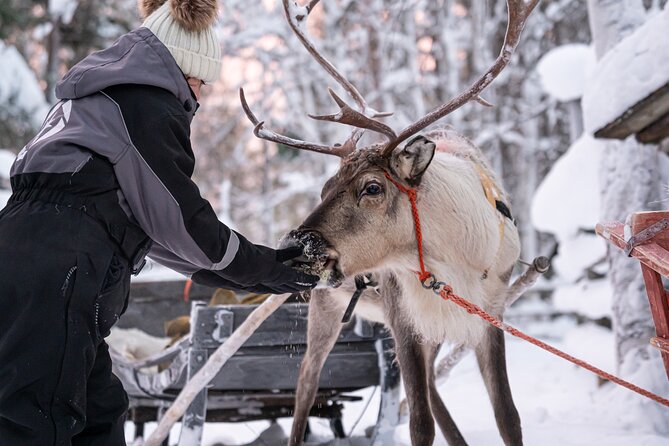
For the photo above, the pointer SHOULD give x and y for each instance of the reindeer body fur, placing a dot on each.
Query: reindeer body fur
(461, 241)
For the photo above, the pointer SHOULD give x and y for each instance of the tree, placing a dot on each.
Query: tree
(631, 182)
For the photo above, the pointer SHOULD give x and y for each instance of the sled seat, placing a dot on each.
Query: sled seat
(259, 381)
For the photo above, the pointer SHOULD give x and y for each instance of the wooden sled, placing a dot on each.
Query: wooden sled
(259, 381)
(646, 238)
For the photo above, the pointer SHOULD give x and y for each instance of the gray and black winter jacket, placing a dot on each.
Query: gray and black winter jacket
(121, 134)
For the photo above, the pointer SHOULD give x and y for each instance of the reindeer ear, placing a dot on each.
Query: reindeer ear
(410, 162)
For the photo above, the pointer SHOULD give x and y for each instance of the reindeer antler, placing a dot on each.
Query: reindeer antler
(518, 12)
(296, 17)
(270, 135)
(347, 115)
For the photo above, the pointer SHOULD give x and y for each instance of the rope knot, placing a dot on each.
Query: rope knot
(424, 275)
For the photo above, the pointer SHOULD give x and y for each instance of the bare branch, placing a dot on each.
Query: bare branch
(518, 12)
(297, 16)
(297, 22)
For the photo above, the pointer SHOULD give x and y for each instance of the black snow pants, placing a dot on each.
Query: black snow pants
(63, 284)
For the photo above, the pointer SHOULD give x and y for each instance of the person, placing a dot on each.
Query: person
(106, 181)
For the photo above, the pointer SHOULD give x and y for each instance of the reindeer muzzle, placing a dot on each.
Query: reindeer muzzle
(319, 258)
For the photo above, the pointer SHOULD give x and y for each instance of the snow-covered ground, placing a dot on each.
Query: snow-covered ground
(559, 404)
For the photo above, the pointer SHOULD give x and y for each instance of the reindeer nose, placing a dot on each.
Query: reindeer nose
(313, 242)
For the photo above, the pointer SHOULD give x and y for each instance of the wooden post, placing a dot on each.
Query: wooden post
(659, 307)
(657, 295)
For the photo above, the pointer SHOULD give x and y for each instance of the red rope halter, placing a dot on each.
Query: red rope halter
(446, 293)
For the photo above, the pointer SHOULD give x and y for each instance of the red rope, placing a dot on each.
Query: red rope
(475, 309)
(413, 196)
(446, 293)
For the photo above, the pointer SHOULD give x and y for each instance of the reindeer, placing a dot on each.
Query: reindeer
(365, 226)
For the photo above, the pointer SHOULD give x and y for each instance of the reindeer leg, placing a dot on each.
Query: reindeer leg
(439, 411)
(412, 367)
(323, 330)
(491, 357)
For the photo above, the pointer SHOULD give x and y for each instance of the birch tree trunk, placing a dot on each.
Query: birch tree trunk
(53, 49)
(630, 182)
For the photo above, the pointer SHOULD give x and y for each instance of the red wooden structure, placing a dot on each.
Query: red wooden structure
(646, 238)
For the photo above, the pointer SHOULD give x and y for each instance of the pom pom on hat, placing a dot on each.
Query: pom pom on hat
(148, 7)
(186, 28)
(192, 15)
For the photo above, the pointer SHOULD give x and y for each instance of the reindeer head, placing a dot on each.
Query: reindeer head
(359, 225)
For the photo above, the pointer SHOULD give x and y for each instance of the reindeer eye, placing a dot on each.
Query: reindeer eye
(373, 189)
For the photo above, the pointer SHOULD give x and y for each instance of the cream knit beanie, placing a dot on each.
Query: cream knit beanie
(186, 28)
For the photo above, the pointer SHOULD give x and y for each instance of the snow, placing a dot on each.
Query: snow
(4, 197)
(19, 86)
(566, 204)
(154, 272)
(63, 8)
(559, 404)
(7, 158)
(568, 199)
(562, 70)
(591, 298)
(629, 72)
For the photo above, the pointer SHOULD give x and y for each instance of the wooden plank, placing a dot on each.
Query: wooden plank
(655, 132)
(639, 116)
(659, 307)
(287, 326)
(246, 398)
(247, 406)
(342, 370)
(651, 255)
(642, 220)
